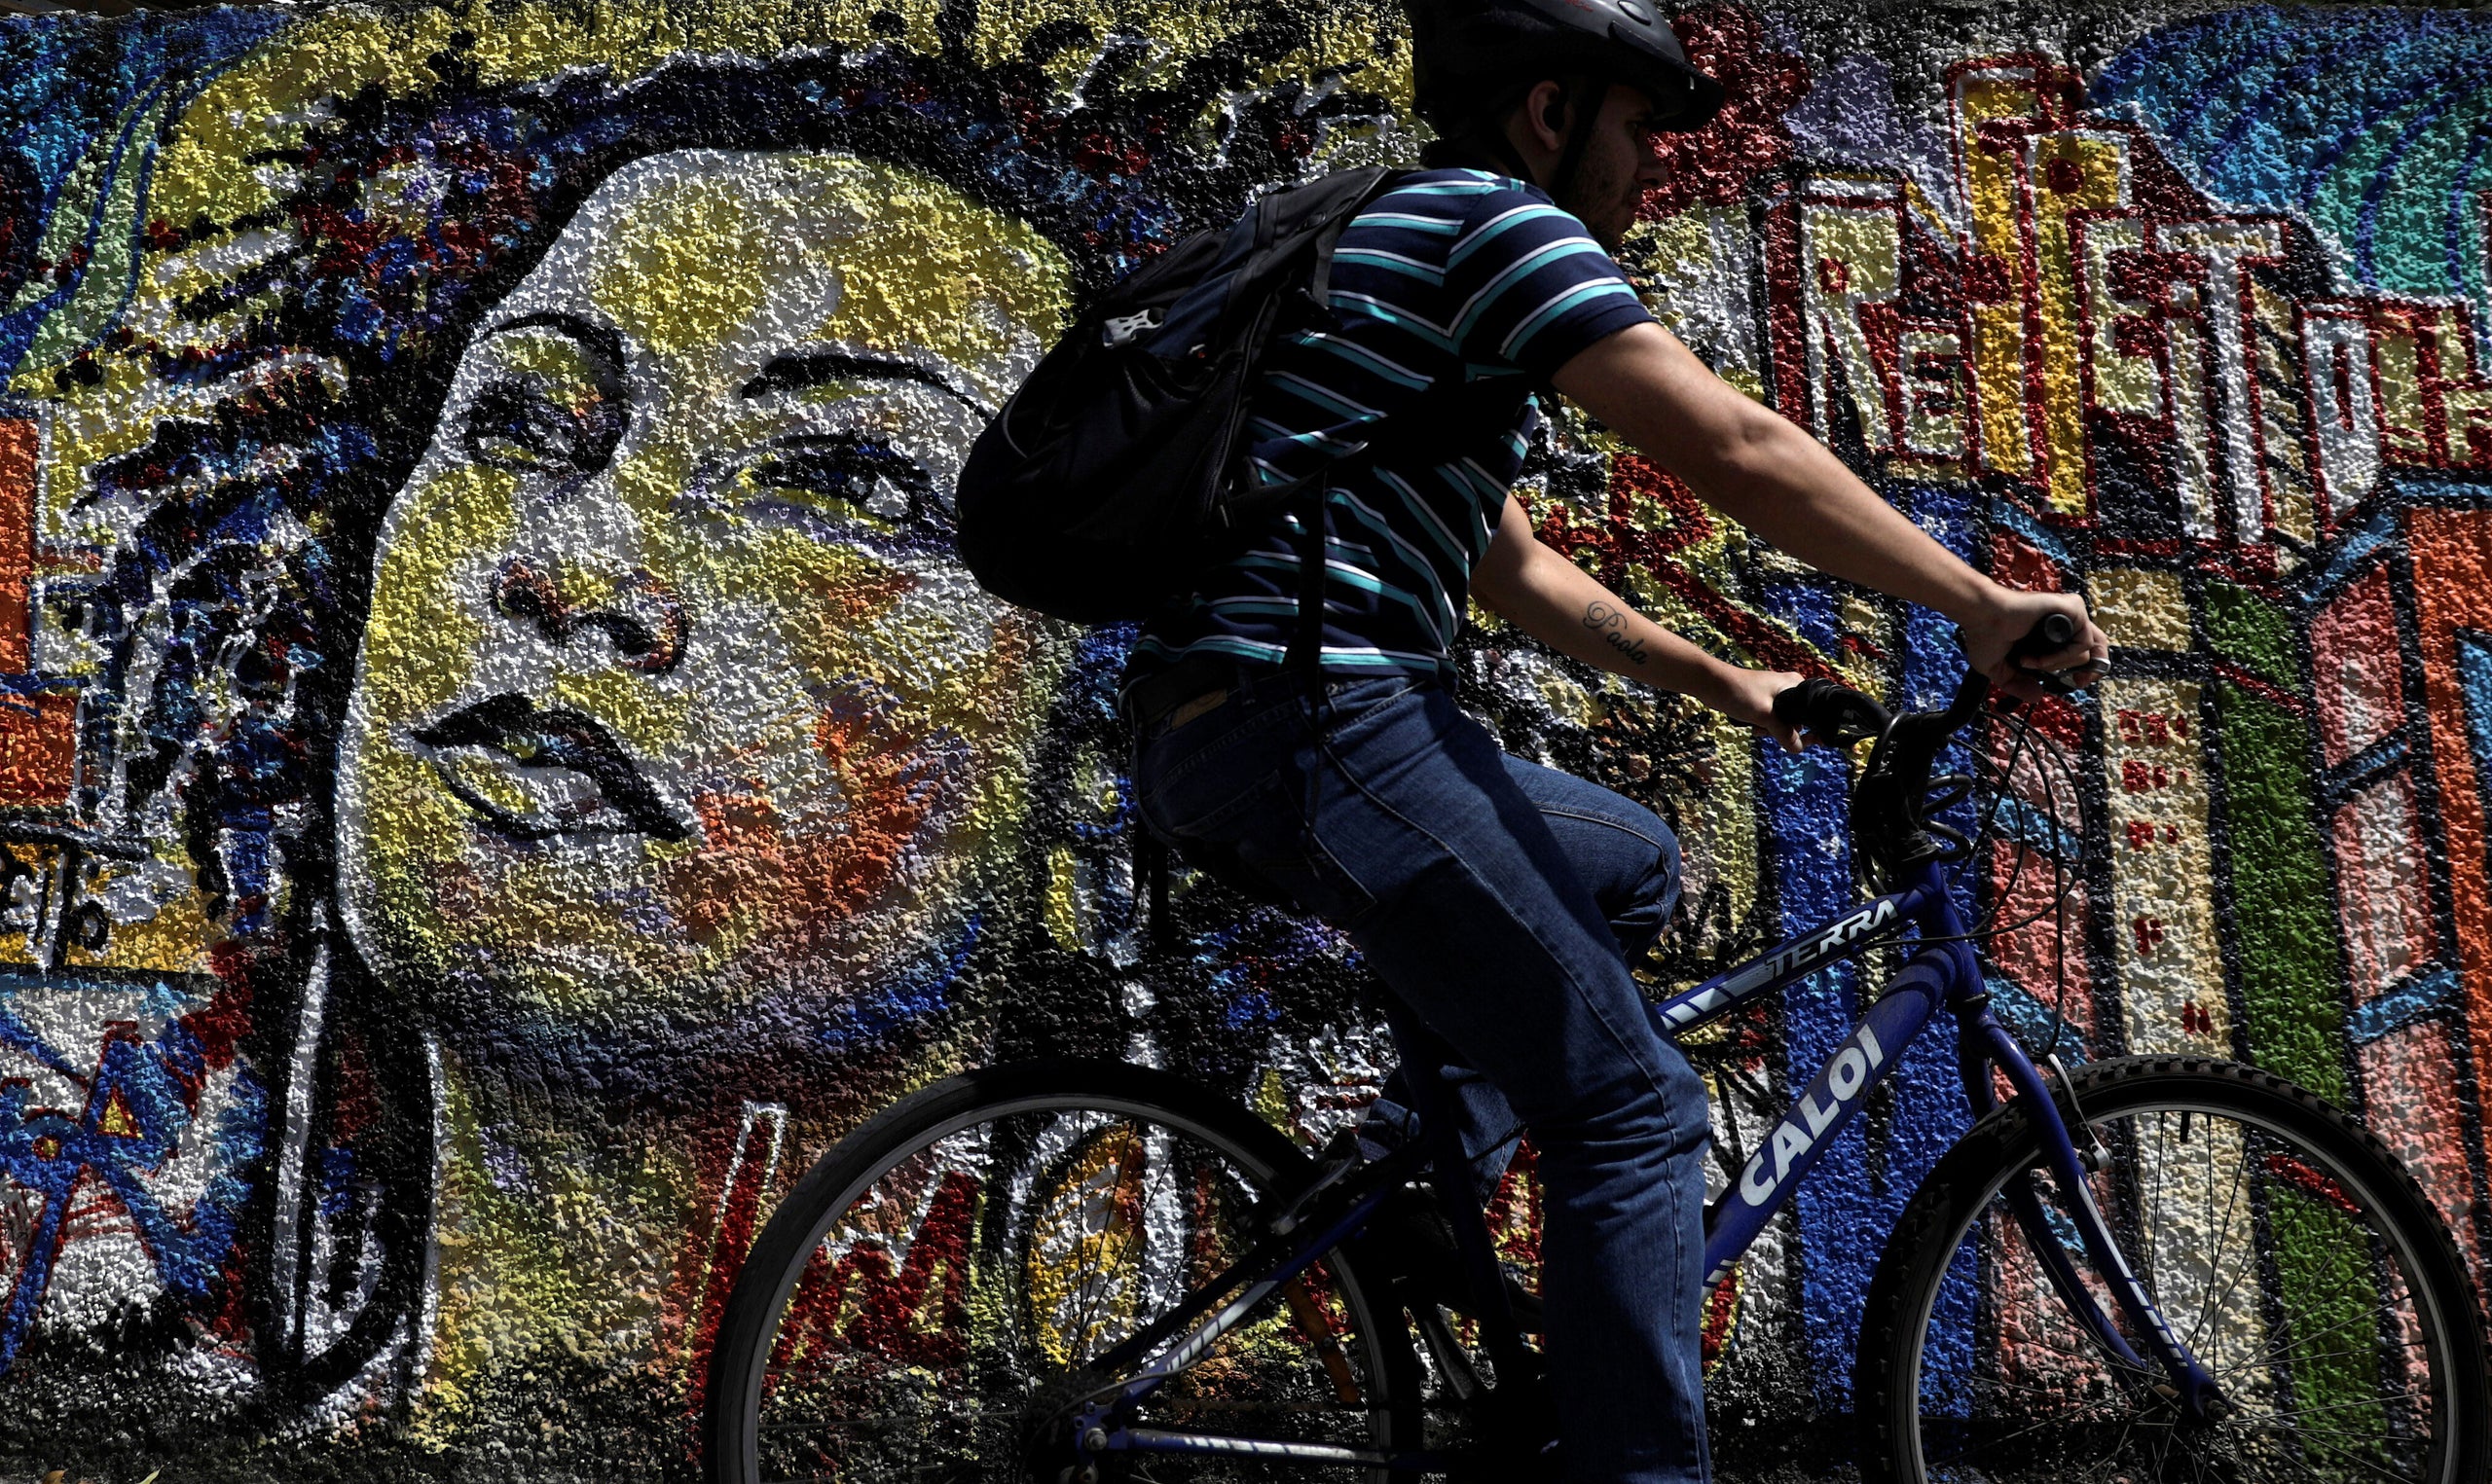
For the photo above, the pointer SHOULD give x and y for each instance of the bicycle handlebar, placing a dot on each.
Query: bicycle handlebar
(2056, 632)
(1831, 712)
(1888, 813)
(1838, 714)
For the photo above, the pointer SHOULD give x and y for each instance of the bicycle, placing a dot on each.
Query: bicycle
(1076, 1270)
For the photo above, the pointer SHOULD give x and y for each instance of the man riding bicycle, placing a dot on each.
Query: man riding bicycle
(1499, 900)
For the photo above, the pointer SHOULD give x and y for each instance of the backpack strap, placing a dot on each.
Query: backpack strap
(1306, 647)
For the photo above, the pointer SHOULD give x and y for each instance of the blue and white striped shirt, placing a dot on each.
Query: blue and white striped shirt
(1452, 276)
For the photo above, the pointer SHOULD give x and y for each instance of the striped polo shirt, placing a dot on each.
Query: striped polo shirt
(1453, 276)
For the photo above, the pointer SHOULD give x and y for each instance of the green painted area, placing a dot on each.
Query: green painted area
(106, 193)
(2251, 632)
(2286, 933)
(2424, 147)
(2329, 1302)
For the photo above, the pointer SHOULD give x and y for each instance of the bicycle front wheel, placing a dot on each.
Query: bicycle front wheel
(925, 1303)
(2284, 1243)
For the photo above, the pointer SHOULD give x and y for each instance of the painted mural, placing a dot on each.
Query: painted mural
(499, 765)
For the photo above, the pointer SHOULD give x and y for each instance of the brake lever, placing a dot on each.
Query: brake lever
(2056, 632)
(2058, 683)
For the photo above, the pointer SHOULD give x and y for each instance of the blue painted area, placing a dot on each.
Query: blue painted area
(2371, 123)
(2354, 550)
(141, 1111)
(68, 87)
(1929, 1113)
(1803, 799)
(2020, 821)
(908, 999)
(2035, 1022)
(1247, 960)
(2475, 684)
(2418, 998)
(2010, 515)
(2360, 768)
(1848, 1206)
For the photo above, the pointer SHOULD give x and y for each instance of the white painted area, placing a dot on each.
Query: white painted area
(2344, 404)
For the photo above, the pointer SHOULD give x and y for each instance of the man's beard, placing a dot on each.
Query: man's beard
(1602, 202)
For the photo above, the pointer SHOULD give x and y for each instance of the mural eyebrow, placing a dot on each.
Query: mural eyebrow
(599, 337)
(788, 373)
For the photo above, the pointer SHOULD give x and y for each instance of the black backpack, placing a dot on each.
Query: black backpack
(1108, 481)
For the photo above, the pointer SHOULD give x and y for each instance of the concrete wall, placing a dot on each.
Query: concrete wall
(376, 397)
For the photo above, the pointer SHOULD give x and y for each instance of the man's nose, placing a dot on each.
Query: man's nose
(638, 615)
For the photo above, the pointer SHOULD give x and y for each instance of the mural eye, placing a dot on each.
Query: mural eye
(848, 477)
(530, 425)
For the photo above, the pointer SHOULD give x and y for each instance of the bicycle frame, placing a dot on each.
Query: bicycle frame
(1943, 971)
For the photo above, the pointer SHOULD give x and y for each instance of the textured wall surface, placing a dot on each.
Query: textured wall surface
(390, 398)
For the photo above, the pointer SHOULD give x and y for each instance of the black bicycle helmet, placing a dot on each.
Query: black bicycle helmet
(1469, 55)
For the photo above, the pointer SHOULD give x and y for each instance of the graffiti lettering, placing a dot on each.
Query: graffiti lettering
(1845, 1078)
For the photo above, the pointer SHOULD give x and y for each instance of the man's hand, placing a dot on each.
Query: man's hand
(2009, 616)
(1747, 695)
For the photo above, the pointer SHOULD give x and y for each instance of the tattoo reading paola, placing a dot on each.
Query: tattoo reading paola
(1612, 625)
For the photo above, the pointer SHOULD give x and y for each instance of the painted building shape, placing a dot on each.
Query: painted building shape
(38, 723)
(2268, 485)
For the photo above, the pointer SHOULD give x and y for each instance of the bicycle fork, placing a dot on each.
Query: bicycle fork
(1948, 971)
(1985, 1043)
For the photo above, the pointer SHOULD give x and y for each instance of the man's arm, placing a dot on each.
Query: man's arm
(1563, 606)
(1776, 481)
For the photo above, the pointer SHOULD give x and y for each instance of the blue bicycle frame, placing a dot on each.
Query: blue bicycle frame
(1941, 972)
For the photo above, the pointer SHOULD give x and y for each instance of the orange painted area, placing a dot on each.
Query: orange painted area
(38, 749)
(38, 735)
(2452, 556)
(17, 449)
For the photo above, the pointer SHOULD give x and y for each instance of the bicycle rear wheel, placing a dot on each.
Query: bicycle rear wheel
(926, 1300)
(2284, 1243)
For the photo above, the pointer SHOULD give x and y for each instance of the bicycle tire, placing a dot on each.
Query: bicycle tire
(2304, 1180)
(1036, 1097)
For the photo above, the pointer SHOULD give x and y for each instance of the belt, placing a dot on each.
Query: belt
(1191, 678)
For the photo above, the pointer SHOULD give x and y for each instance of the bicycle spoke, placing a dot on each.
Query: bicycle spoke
(2210, 1308)
(2281, 1315)
(976, 1270)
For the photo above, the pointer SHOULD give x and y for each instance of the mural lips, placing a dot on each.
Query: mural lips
(569, 773)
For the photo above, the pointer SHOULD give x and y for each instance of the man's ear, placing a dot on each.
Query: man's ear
(1545, 110)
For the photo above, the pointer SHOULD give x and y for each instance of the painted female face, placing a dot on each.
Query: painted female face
(672, 691)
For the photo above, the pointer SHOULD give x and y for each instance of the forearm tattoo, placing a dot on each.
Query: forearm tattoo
(1611, 624)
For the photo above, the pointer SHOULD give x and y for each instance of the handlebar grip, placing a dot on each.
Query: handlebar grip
(1830, 712)
(2056, 632)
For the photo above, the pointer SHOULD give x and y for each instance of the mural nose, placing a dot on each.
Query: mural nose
(638, 615)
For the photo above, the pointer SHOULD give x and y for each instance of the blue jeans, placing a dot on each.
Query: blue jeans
(1494, 897)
